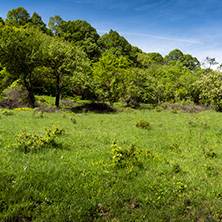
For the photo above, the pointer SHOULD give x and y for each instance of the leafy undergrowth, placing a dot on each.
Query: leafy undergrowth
(102, 167)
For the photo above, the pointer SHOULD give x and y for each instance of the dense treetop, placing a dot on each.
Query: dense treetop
(69, 58)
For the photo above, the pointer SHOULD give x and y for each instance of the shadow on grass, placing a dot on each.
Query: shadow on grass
(94, 107)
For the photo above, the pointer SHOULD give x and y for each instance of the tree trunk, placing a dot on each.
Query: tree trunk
(58, 91)
(31, 96)
(31, 99)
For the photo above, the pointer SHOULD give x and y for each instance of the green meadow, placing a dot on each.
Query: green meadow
(129, 165)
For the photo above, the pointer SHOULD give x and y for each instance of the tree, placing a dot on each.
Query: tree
(209, 62)
(36, 21)
(185, 59)
(18, 16)
(54, 23)
(1, 21)
(117, 45)
(110, 72)
(190, 62)
(139, 87)
(81, 33)
(21, 54)
(63, 61)
(145, 60)
(174, 55)
(5, 79)
(211, 89)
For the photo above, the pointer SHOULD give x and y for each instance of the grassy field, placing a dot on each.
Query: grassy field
(66, 166)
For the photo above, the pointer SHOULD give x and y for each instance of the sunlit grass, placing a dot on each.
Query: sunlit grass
(76, 180)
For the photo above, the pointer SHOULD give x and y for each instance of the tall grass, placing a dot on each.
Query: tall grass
(77, 178)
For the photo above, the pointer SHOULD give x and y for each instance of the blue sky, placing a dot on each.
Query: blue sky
(193, 26)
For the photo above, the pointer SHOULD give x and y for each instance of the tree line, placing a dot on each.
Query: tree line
(69, 58)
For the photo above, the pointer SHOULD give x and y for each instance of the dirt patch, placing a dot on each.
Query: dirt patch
(187, 108)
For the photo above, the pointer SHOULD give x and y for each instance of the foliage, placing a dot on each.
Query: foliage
(146, 60)
(6, 113)
(26, 57)
(26, 141)
(110, 73)
(81, 33)
(186, 60)
(129, 157)
(63, 61)
(117, 45)
(143, 124)
(18, 15)
(211, 89)
(16, 92)
(71, 59)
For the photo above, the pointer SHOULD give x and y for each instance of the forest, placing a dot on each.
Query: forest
(68, 59)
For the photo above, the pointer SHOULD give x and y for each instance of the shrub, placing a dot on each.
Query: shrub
(175, 111)
(159, 109)
(174, 146)
(26, 141)
(7, 113)
(176, 167)
(14, 96)
(143, 124)
(210, 153)
(73, 120)
(128, 157)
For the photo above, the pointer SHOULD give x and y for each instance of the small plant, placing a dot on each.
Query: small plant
(31, 141)
(128, 157)
(7, 113)
(179, 188)
(159, 109)
(143, 124)
(176, 168)
(73, 120)
(211, 170)
(174, 146)
(210, 153)
(23, 109)
(174, 111)
(42, 100)
(38, 111)
(196, 121)
(193, 121)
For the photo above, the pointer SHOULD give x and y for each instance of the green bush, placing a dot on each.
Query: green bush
(159, 108)
(26, 141)
(174, 111)
(210, 153)
(7, 113)
(143, 124)
(128, 157)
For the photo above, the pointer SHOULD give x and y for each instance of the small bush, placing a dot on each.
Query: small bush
(174, 111)
(128, 157)
(134, 104)
(159, 108)
(143, 124)
(73, 120)
(174, 146)
(14, 96)
(176, 168)
(210, 153)
(7, 113)
(26, 141)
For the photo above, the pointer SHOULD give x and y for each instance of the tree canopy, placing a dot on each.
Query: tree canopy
(70, 58)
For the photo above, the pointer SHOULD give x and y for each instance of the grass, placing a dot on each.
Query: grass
(171, 172)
